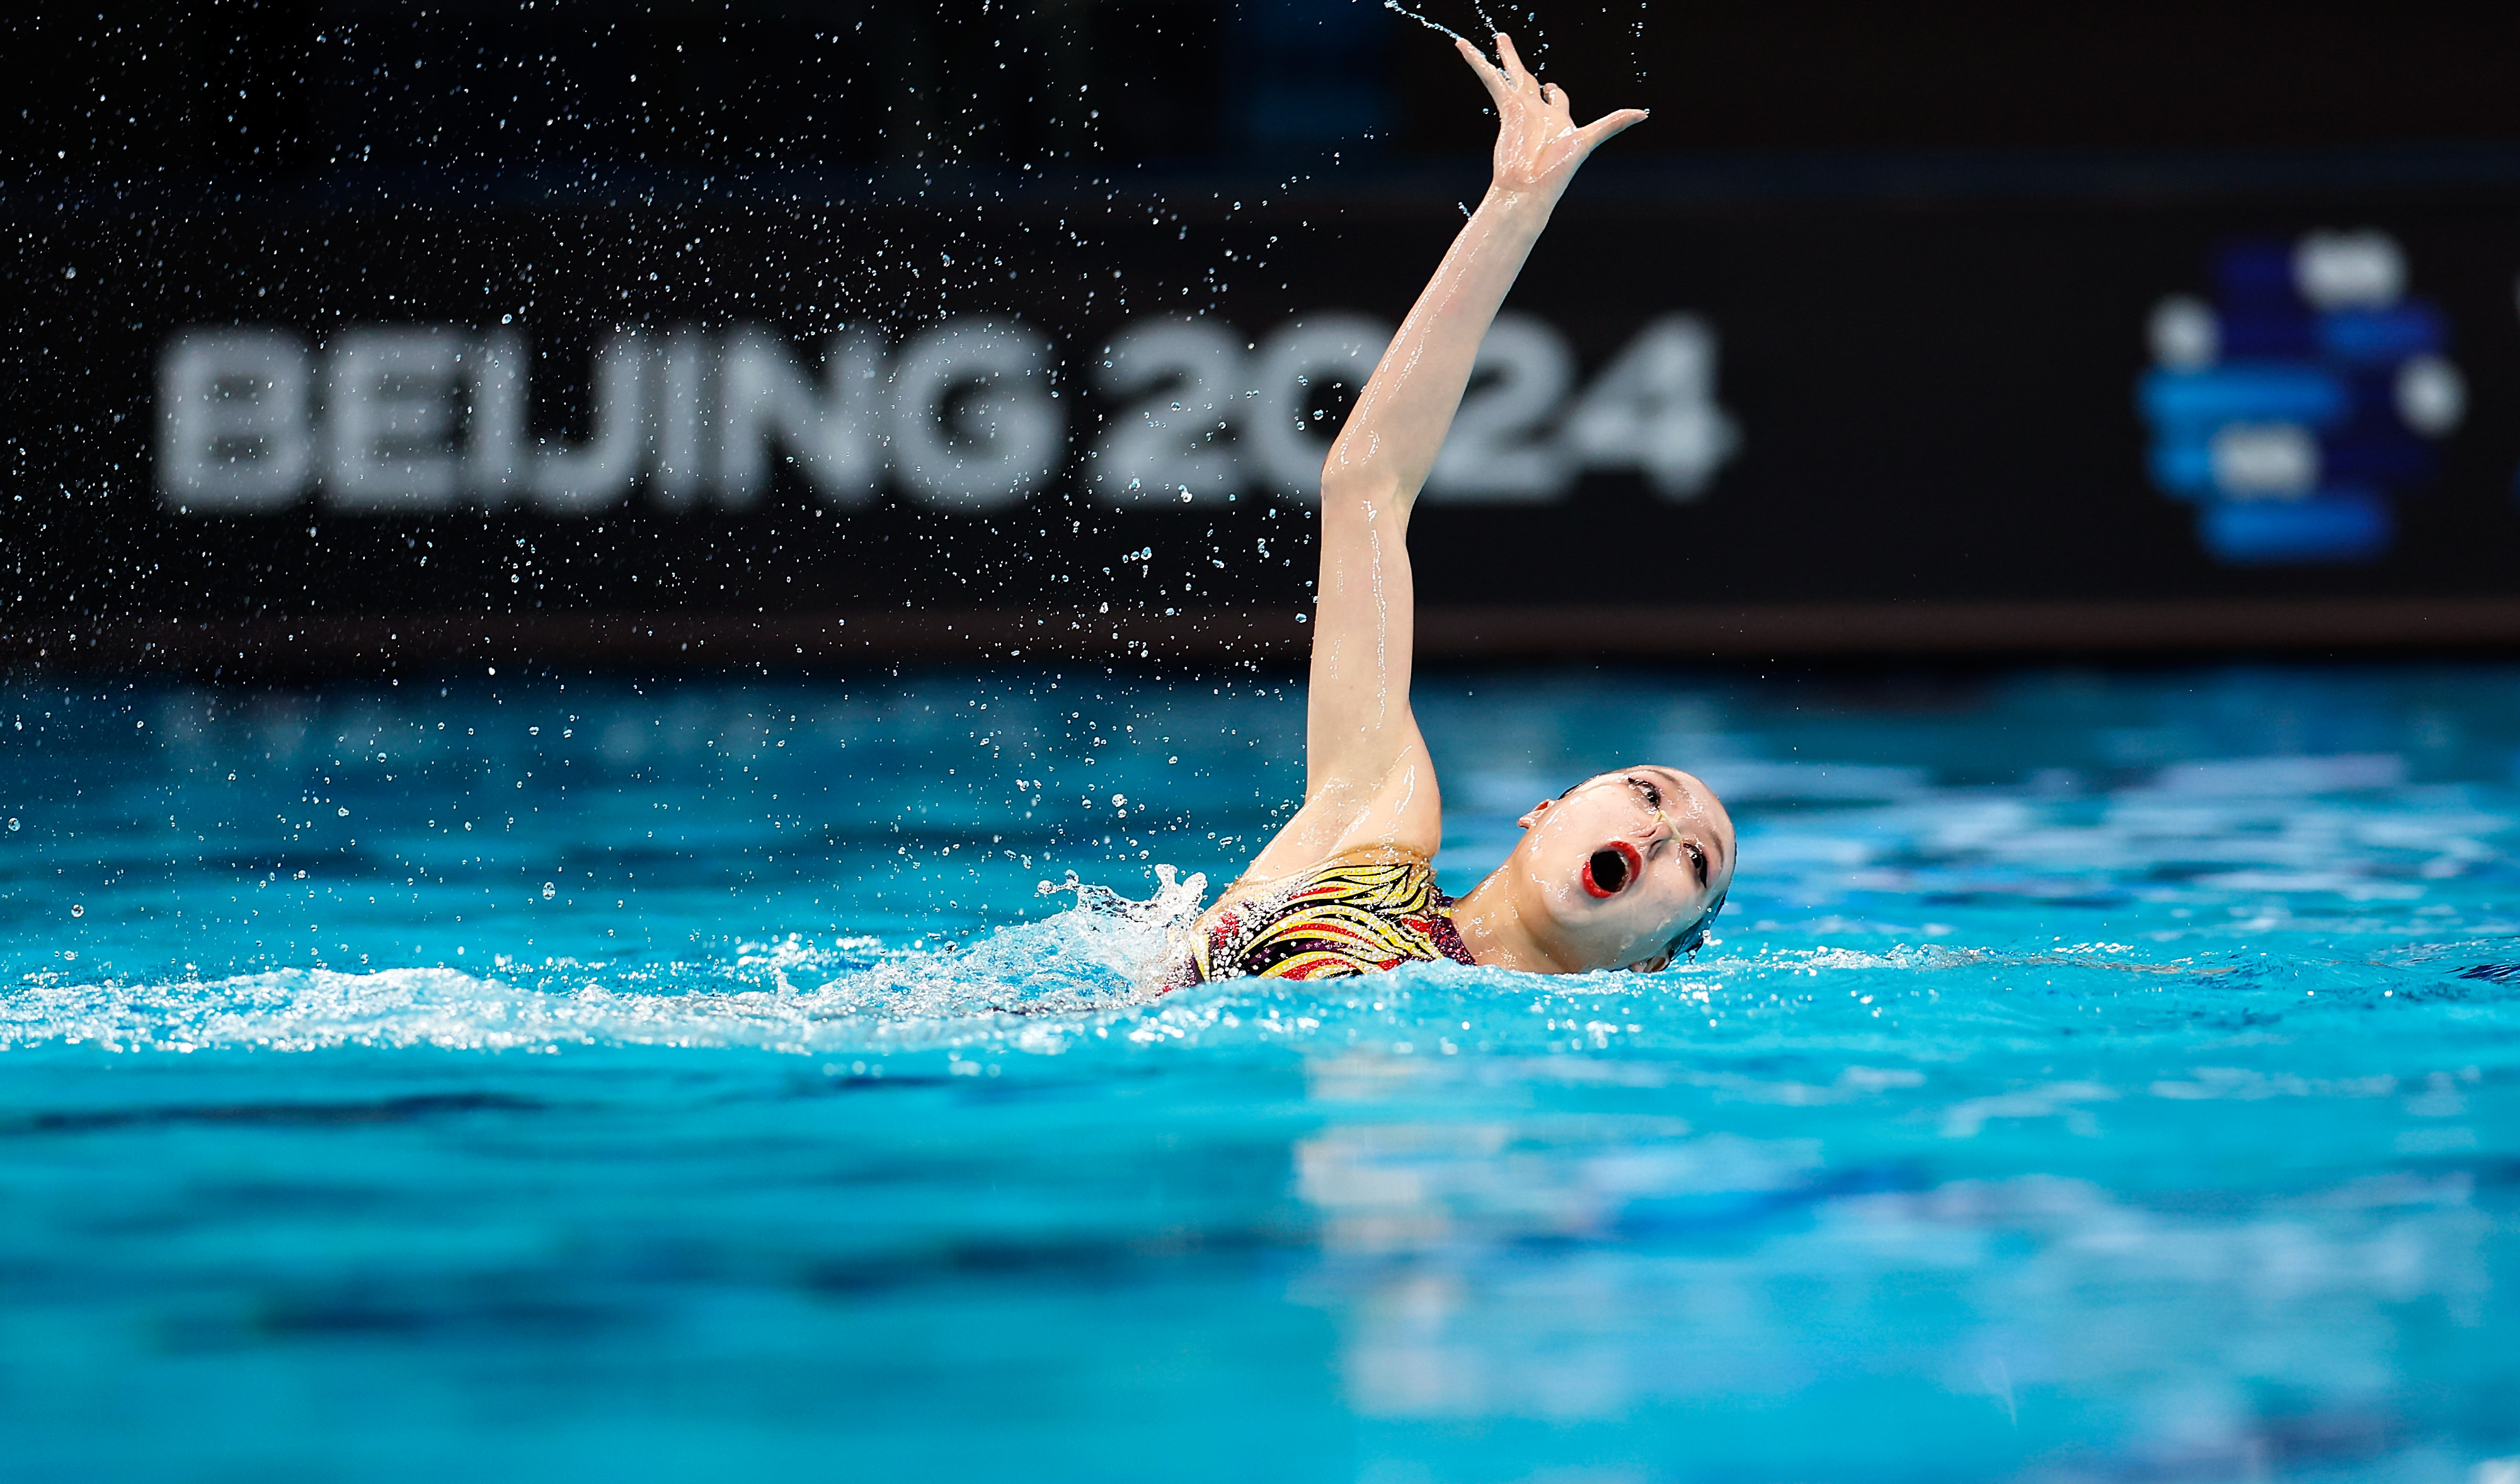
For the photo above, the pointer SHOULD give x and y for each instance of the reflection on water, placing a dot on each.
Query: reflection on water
(2096, 1077)
(1576, 1268)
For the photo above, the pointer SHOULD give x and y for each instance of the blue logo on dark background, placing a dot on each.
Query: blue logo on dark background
(2292, 407)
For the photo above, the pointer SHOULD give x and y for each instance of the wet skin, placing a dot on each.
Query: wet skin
(1605, 876)
(1614, 872)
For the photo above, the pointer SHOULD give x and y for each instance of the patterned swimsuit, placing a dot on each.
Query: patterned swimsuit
(1350, 915)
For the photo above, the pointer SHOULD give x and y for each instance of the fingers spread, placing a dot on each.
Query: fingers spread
(1608, 124)
(1497, 86)
(1513, 67)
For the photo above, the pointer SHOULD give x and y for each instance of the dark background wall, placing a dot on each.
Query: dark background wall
(278, 90)
(1927, 237)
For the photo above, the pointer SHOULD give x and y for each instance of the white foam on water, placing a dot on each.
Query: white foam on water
(788, 994)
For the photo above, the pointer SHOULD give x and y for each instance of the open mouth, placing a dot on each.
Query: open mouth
(1612, 869)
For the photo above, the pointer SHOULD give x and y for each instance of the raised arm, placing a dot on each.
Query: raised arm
(1367, 776)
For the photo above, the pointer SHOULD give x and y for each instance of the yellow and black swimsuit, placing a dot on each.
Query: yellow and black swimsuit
(1353, 914)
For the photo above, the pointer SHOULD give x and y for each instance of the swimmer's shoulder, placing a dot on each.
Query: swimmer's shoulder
(1252, 888)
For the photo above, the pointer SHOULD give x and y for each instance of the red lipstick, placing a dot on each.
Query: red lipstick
(1612, 869)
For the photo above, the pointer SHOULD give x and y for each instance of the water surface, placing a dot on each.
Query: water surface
(2094, 1076)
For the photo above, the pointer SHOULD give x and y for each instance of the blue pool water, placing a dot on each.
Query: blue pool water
(2097, 1076)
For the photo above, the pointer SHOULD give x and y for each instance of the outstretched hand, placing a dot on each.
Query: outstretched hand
(1368, 779)
(1538, 144)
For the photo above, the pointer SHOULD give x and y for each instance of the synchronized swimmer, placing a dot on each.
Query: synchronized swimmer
(1624, 870)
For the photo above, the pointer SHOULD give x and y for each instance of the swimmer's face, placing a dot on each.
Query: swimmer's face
(1622, 863)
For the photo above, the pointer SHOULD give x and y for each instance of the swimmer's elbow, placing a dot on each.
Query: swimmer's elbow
(1368, 488)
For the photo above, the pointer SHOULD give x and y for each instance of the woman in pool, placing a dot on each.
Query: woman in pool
(1627, 869)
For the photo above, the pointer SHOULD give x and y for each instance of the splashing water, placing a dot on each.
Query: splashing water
(851, 994)
(1530, 41)
(1437, 26)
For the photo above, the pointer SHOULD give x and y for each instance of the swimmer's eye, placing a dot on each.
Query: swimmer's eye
(1646, 787)
(1697, 858)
